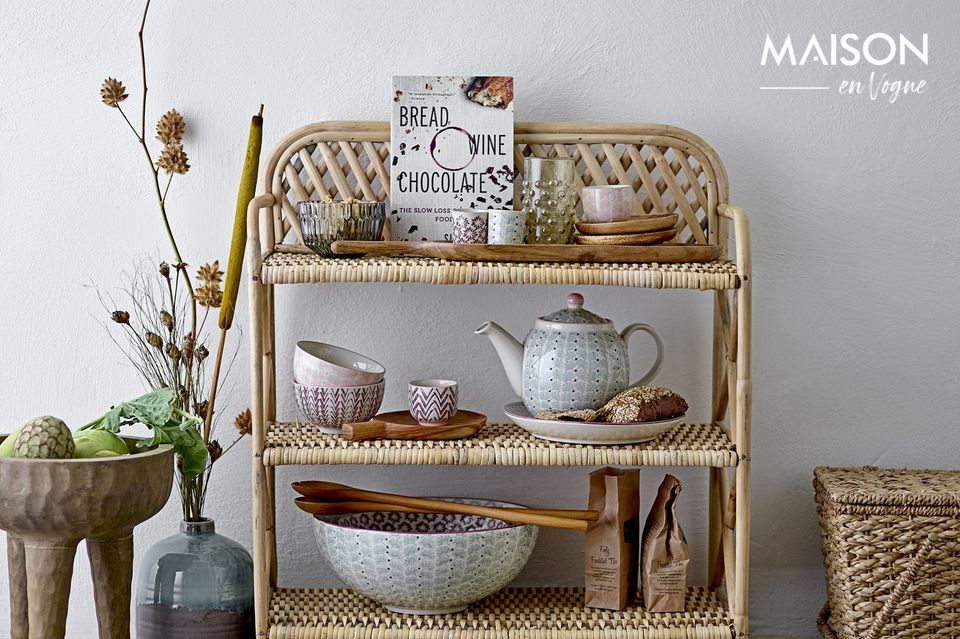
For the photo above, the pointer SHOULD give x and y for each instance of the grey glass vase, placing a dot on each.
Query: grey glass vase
(195, 585)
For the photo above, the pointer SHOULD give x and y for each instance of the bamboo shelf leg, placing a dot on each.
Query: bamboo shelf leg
(270, 411)
(262, 503)
(717, 476)
(741, 417)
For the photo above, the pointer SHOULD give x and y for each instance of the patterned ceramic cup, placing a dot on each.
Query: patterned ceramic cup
(505, 227)
(469, 226)
(607, 203)
(433, 402)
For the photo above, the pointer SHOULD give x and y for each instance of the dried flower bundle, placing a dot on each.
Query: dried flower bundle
(165, 324)
(162, 347)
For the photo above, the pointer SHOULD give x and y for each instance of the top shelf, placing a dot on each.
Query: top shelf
(306, 268)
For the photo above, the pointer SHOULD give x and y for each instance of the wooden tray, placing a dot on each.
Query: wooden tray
(400, 424)
(635, 224)
(663, 253)
(627, 239)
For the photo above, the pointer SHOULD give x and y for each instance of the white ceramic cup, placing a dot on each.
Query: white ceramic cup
(433, 402)
(607, 202)
(505, 227)
(469, 226)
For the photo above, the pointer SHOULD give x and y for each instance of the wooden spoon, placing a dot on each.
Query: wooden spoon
(313, 507)
(323, 490)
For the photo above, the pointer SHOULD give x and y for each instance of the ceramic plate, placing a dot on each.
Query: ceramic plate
(596, 433)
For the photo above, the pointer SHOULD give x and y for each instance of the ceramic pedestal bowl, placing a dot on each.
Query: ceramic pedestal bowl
(48, 505)
(425, 563)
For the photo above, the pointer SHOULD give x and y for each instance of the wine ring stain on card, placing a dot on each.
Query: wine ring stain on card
(452, 142)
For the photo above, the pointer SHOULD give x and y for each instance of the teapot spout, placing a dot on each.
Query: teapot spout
(510, 352)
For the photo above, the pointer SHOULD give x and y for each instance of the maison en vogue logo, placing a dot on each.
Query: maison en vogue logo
(886, 56)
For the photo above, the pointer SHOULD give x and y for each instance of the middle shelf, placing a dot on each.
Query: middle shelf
(703, 445)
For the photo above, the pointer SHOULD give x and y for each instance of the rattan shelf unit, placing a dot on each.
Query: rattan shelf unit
(671, 170)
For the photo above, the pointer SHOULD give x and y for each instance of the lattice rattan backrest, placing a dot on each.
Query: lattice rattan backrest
(670, 169)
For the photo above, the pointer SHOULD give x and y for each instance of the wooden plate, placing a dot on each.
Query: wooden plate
(636, 224)
(400, 424)
(656, 237)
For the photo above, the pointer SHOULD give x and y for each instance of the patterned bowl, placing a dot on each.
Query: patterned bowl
(425, 563)
(331, 407)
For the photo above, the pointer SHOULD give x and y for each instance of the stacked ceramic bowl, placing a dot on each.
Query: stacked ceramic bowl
(335, 386)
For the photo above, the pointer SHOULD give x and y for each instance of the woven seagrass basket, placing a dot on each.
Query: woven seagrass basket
(891, 546)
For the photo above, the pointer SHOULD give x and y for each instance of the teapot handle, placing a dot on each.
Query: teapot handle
(646, 328)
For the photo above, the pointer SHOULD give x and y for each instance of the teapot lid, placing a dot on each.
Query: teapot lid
(576, 315)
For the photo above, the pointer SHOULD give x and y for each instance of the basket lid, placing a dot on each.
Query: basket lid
(889, 487)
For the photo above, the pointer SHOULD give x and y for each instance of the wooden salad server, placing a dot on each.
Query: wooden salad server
(330, 491)
(313, 507)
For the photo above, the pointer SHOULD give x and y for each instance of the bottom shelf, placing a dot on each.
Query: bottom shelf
(514, 613)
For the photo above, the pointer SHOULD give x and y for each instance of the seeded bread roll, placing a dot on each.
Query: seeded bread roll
(643, 404)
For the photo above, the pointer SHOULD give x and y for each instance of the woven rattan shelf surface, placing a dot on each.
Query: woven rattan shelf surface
(528, 613)
(303, 268)
(498, 445)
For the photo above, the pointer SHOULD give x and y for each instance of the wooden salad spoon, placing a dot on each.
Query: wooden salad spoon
(315, 507)
(330, 491)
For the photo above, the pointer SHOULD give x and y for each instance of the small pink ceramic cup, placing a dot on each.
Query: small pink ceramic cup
(433, 402)
(607, 202)
(469, 226)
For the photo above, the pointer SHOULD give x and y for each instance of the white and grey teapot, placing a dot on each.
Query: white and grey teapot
(571, 360)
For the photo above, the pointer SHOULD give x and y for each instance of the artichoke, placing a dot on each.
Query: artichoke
(44, 438)
(98, 443)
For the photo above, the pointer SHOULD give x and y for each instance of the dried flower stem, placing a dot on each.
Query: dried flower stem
(141, 138)
(143, 74)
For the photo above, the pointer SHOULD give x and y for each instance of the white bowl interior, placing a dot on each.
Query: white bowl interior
(423, 523)
(341, 357)
(433, 383)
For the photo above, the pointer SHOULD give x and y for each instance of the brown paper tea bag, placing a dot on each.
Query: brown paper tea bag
(664, 557)
(611, 544)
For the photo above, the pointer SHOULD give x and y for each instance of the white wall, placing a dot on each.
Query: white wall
(853, 205)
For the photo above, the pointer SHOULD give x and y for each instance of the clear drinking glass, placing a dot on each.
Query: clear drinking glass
(549, 196)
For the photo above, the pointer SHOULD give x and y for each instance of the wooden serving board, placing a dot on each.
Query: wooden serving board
(627, 239)
(635, 224)
(663, 253)
(400, 424)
